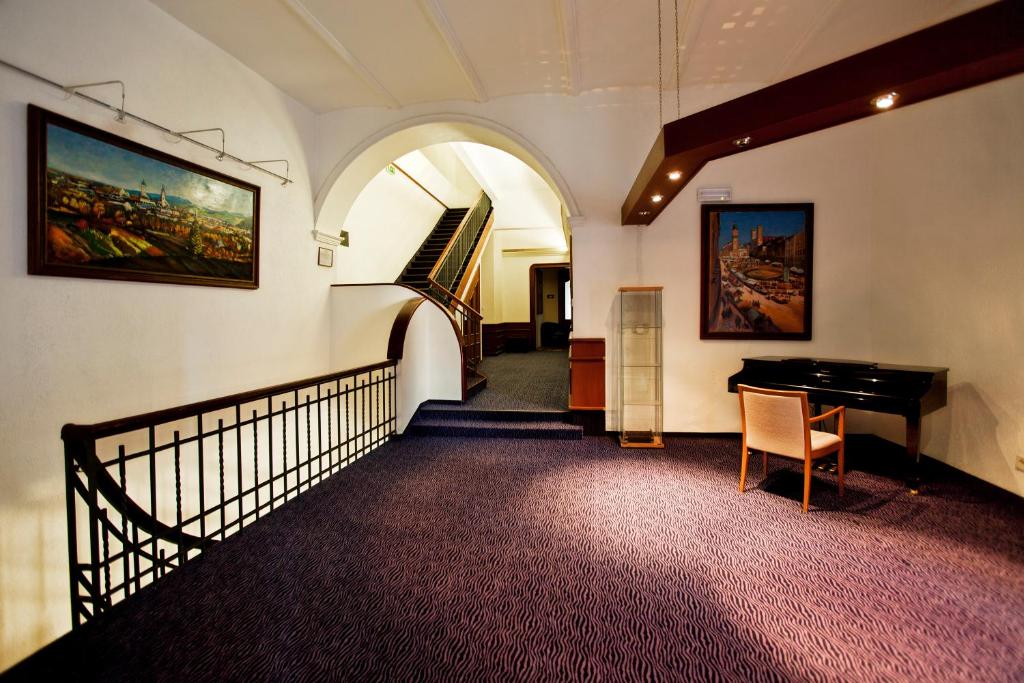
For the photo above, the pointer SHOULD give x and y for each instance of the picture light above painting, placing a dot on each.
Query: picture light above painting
(102, 206)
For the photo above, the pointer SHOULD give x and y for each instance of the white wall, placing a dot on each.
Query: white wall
(79, 350)
(431, 367)
(361, 320)
(801, 170)
(946, 187)
(458, 188)
(505, 276)
(597, 142)
(90, 350)
(387, 224)
(522, 198)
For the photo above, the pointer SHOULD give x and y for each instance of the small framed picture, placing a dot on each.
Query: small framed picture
(325, 257)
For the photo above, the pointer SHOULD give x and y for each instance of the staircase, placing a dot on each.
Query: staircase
(440, 419)
(438, 270)
(423, 261)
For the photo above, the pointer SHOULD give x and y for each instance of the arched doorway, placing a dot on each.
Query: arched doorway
(389, 191)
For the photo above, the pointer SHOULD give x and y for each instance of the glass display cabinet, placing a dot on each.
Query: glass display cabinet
(640, 375)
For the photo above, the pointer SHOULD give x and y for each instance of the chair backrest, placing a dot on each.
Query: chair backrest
(775, 421)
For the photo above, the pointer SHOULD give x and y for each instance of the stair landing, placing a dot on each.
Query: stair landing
(440, 419)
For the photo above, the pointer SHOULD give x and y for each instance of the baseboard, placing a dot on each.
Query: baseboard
(705, 435)
(592, 421)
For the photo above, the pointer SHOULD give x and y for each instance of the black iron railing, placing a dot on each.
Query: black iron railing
(451, 266)
(445, 274)
(148, 493)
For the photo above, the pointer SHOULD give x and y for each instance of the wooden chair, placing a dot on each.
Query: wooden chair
(779, 422)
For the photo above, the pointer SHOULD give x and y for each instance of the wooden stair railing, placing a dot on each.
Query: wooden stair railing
(459, 260)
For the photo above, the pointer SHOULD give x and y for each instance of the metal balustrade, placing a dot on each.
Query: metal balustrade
(444, 279)
(148, 493)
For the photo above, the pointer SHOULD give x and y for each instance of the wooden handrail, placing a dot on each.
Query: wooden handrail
(484, 235)
(124, 424)
(432, 277)
(460, 302)
(396, 341)
(454, 238)
(417, 183)
(456, 327)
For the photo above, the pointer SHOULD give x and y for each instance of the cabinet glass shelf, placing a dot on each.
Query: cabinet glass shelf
(640, 367)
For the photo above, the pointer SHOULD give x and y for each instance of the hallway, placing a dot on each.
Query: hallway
(500, 559)
(538, 380)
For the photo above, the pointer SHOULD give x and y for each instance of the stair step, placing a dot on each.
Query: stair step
(503, 429)
(475, 384)
(442, 411)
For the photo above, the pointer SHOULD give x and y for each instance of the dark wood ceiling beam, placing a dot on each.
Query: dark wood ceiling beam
(969, 50)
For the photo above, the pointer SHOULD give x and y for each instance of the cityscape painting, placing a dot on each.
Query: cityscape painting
(756, 271)
(101, 206)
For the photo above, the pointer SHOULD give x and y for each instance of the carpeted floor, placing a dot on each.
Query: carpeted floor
(538, 380)
(503, 559)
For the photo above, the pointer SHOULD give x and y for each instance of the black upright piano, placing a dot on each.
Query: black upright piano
(906, 390)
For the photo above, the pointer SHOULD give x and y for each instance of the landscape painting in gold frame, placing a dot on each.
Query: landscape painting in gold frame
(102, 206)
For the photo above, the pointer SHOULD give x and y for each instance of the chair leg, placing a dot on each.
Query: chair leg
(842, 468)
(764, 463)
(743, 469)
(807, 482)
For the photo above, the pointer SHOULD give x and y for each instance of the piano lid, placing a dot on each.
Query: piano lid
(839, 364)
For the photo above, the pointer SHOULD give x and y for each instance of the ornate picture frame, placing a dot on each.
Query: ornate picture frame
(102, 206)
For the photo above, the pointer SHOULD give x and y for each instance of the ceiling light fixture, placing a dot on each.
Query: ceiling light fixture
(645, 213)
(675, 175)
(656, 198)
(943, 58)
(885, 101)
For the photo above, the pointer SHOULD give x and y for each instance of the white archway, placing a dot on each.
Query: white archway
(350, 175)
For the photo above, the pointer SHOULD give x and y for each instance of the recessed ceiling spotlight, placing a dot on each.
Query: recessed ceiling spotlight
(742, 142)
(656, 198)
(675, 175)
(885, 101)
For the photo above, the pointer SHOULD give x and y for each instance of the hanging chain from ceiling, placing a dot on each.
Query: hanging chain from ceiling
(661, 120)
(678, 110)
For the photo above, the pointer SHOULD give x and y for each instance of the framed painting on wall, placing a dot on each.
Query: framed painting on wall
(756, 271)
(101, 206)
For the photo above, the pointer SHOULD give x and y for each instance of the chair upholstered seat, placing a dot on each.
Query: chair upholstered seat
(823, 440)
(779, 422)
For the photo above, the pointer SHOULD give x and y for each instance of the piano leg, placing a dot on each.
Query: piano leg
(914, 453)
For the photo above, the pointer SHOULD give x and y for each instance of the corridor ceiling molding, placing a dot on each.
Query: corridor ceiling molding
(355, 169)
(333, 55)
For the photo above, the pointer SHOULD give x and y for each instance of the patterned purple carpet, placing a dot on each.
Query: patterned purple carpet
(499, 559)
(537, 380)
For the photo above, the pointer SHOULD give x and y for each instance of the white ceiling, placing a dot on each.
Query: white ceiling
(334, 54)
